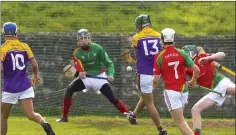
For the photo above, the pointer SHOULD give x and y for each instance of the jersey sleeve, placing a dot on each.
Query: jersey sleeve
(156, 66)
(188, 60)
(108, 63)
(134, 41)
(206, 55)
(3, 54)
(77, 62)
(29, 52)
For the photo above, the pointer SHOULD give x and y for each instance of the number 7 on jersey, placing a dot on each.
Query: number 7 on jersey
(176, 64)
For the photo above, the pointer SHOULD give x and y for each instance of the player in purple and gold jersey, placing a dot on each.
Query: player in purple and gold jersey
(17, 86)
(146, 44)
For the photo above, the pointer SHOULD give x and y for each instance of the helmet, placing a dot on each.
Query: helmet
(168, 35)
(9, 29)
(142, 21)
(82, 34)
(191, 50)
(83, 37)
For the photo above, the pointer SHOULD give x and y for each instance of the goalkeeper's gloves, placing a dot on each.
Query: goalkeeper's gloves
(110, 78)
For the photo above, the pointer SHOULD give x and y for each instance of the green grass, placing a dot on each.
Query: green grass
(100, 125)
(187, 18)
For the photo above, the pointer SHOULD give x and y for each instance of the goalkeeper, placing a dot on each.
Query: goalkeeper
(90, 59)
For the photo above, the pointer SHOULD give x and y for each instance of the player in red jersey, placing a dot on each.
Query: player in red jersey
(171, 64)
(210, 78)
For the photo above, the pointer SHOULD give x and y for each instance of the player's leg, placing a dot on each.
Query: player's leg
(196, 111)
(147, 96)
(131, 116)
(225, 86)
(175, 102)
(140, 105)
(178, 117)
(28, 109)
(148, 100)
(76, 85)
(107, 92)
(5, 113)
(231, 89)
(8, 101)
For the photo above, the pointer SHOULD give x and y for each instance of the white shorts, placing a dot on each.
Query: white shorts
(94, 83)
(175, 99)
(144, 83)
(221, 87)
(12, 98)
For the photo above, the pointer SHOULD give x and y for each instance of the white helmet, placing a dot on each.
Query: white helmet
(168, 35)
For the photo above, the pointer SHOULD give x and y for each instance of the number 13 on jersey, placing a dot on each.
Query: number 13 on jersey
(150, 46)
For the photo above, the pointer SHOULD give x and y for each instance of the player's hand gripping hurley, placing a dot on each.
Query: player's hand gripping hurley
(202, 51)
(35, 81)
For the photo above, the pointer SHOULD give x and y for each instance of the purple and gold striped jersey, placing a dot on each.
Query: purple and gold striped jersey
(147, 44)
(15, 56)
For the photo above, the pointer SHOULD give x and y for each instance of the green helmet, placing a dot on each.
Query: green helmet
(141, 21)
(191, 50)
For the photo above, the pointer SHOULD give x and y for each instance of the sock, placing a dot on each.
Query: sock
(121, 106)
(43, 121)
(197, 131)
(159, 128)
(67, 105)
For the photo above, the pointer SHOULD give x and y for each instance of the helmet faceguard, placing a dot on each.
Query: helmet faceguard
(9, 29)
(142, 21)
(191, 50)
(83, 38)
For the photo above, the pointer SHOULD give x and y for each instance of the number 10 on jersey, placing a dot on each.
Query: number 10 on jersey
(15, 61)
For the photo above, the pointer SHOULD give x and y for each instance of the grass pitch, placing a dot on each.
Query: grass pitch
(102, 125)
(187, 18)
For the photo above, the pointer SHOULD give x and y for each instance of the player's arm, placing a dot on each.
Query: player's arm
(212, 57)
(3, 54)
(34, 67)
(193, 66)
(157, 71)
(34, 64)
(80, 71)
(33, 61)
(134, 44)
(108, 63)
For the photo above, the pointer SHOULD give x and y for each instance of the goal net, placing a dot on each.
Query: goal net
(40, 28)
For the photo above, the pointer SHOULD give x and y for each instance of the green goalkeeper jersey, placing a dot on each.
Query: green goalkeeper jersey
(93, 60)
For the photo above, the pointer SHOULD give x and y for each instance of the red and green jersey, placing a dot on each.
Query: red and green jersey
(171, 64)
(209, 76)
(93, 60)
